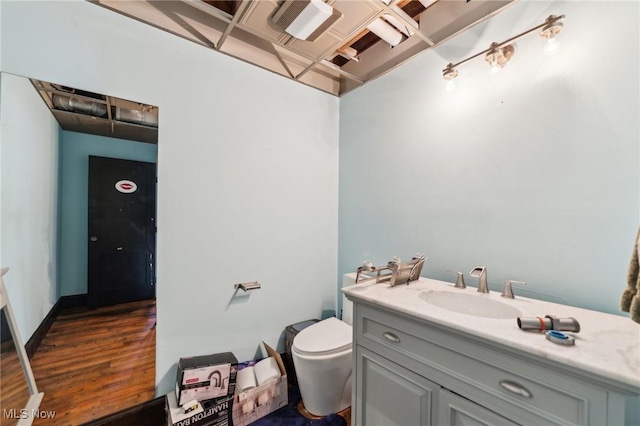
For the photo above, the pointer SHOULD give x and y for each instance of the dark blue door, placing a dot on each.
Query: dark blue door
(122, 231)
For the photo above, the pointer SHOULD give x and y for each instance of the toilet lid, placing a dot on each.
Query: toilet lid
(324, 338)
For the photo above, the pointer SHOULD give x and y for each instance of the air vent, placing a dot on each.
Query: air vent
(289, 11)
(305, 19)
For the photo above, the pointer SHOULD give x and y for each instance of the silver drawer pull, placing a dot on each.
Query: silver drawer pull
(391, 337)
(516, 388)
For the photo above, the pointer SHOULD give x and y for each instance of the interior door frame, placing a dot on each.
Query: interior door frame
(92, 291)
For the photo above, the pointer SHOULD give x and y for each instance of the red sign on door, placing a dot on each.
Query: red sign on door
(126, 186)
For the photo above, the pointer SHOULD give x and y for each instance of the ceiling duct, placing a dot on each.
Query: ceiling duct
(305, 19)
(80, 111)
(144, 117)
(385, 31)
(66, 103)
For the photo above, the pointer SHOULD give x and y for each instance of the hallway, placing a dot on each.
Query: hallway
(95, 362)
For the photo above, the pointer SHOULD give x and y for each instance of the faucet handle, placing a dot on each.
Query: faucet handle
(367, 266)
(459, 280)
(507, 292)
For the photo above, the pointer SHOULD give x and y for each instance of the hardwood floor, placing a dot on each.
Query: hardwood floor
(14, 392)
(93, 363)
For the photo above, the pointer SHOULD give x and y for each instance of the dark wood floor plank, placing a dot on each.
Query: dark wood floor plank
(93, 363)
(14, 392)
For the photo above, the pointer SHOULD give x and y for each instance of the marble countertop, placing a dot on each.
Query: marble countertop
(606, 345)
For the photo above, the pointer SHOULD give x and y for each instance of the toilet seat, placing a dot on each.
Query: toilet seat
(327, 337)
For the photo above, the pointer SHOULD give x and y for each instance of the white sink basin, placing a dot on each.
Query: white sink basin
(478, 305)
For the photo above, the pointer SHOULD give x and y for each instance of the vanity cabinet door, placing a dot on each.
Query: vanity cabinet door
(454, 410)
(388, 394)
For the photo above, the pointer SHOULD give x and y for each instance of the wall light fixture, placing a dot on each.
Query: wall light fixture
(550, 30)
(498, 54)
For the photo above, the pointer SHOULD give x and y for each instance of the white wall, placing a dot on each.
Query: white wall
(532, 172)
(247, 169)
(28, 181)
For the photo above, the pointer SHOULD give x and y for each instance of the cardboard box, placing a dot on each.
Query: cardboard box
(206, 377)
(256, 403)
(215, 412)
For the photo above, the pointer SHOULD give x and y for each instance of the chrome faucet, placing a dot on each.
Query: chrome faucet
(481, 273)
(459, 280)
(508, 292)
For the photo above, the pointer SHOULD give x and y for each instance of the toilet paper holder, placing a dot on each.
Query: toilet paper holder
(251, 285)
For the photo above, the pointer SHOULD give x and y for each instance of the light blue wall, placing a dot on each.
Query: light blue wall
(75, 149)
(247, 173)
(533, 172)
(28, 200)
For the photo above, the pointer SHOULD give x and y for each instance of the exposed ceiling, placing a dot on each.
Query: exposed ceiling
(346, 50)
(87, 112)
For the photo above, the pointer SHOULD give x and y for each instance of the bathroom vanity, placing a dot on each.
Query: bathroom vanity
(421, 361)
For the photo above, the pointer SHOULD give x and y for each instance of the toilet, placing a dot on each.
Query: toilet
(322, 357)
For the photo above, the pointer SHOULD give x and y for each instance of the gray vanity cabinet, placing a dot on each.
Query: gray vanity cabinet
(409, 371)
(454, 410)
(413, 397)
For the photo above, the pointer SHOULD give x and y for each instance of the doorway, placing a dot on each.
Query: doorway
(122, 231)
(54, 162)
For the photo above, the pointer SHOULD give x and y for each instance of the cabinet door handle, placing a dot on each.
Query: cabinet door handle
(391, 337)
(516, 388)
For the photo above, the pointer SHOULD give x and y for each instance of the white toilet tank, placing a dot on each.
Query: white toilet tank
(347, 305)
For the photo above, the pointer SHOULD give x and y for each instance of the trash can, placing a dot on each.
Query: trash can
(289, 334)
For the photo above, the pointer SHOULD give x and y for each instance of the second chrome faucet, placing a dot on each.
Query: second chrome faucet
(481, 273)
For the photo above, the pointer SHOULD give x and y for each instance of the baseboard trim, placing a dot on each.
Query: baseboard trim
(73, 301)
(65, 302)
(150, 413)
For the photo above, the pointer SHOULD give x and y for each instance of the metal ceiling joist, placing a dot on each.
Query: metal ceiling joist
(418, 31)
(241, 10)
(184, 24)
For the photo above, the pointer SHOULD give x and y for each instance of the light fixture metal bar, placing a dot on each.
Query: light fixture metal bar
(550, 20)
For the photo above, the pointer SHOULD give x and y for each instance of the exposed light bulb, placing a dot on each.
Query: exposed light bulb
(553, 27)
(451, 84)
(552, 46)
(492, 57)
(450, 73)
(498, 56)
